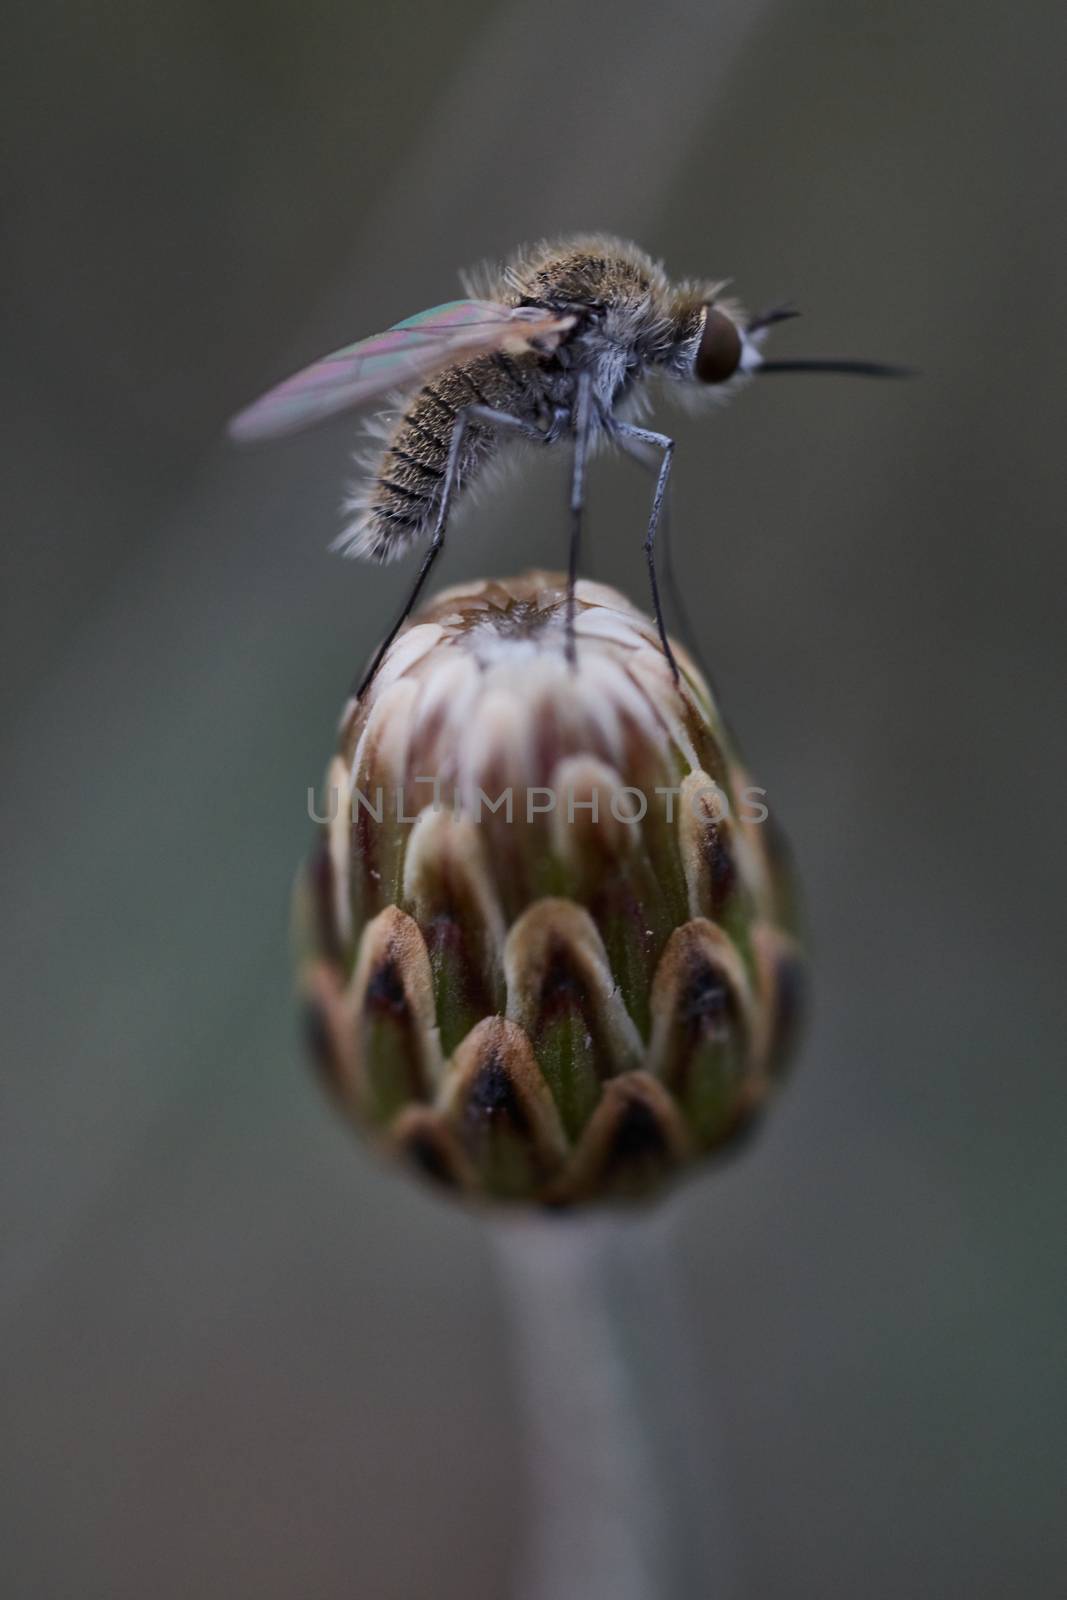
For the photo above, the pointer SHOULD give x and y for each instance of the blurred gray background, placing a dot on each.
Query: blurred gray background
(238, 1359)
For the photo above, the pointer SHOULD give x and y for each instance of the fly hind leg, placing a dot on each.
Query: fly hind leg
(502, 420)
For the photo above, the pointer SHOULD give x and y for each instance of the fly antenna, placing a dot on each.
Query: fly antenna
(773, 314)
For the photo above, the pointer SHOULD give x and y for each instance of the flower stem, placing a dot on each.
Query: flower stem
(617, 1501)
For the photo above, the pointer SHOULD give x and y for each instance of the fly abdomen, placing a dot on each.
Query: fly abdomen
(399, 501)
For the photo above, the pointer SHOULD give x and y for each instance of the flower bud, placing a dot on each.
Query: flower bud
(547, 952)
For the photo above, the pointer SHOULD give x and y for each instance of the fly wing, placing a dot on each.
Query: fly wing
(402, 356)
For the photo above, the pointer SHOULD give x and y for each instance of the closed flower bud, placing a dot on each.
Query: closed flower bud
(546, 947)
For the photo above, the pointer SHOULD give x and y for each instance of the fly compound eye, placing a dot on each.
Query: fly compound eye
(719, 350)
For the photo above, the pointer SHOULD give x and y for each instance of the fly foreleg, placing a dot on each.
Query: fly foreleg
(624, 431)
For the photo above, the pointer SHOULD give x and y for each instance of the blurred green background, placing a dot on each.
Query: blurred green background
(238, 1359)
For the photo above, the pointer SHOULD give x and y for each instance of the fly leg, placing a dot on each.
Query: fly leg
(624, 431)
(583, 426)
(464, 417)
(666, 564)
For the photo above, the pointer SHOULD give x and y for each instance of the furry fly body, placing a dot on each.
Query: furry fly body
(560, 345)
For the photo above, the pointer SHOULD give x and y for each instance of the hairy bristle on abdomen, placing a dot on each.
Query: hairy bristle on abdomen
(397, 503)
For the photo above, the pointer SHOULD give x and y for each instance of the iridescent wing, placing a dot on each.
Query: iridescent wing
(404, 355)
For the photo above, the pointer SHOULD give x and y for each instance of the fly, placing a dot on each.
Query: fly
(562, 344)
